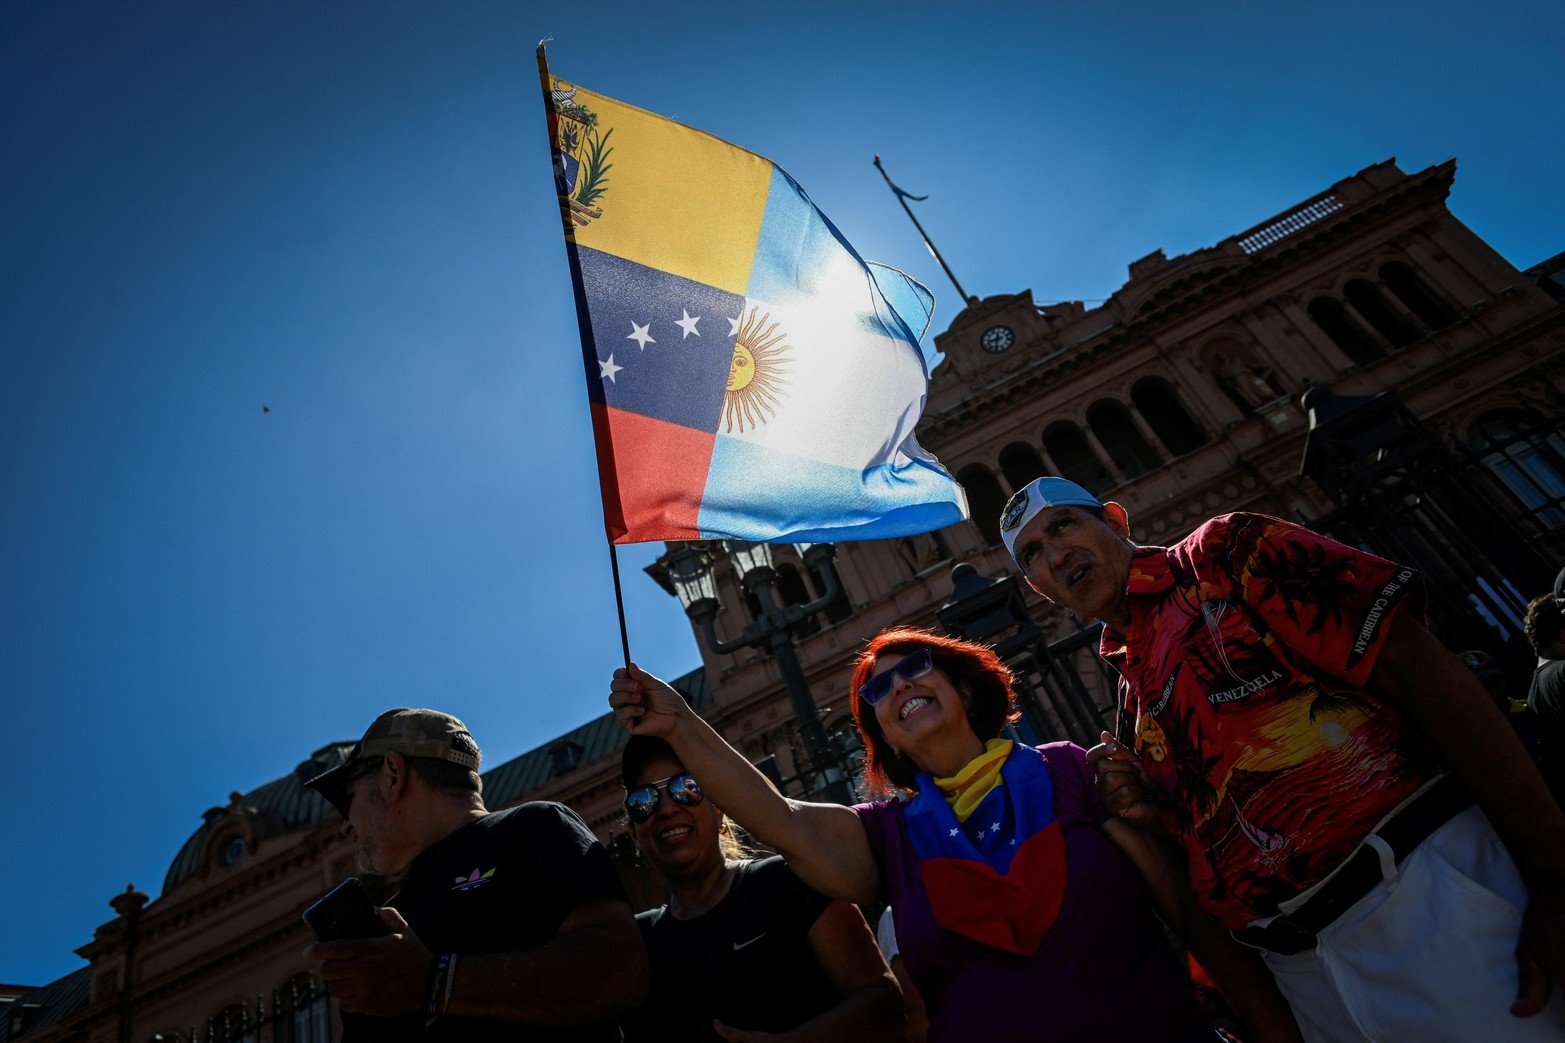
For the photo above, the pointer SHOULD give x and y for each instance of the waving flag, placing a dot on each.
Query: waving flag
(750, 375)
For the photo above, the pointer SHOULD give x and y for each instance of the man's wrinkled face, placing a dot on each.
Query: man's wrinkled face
(364, 814)
(1078, 560)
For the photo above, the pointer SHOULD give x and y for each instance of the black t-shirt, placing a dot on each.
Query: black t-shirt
(747, 962)
(1546, 700)
(502, 883)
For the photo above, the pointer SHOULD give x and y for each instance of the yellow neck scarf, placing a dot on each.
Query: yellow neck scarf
(972, 784)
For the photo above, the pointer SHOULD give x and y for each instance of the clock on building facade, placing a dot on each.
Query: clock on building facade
(997, 339)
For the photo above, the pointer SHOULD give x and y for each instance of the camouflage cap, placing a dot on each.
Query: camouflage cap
(412, 733)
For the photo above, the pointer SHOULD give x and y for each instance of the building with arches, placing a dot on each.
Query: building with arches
(1181, 396)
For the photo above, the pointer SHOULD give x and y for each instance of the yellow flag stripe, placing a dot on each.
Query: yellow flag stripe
(667, 196)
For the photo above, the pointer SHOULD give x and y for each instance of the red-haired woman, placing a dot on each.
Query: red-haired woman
(1023, 910)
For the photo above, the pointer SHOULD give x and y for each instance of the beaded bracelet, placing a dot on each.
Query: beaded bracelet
(441, 977)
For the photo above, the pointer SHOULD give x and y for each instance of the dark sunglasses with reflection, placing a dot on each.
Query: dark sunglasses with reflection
(910, 667)
(641, 803)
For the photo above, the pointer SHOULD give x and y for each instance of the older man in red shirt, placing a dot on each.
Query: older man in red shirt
(1316, 752)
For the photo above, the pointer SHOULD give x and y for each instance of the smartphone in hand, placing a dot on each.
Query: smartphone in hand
(345, 912)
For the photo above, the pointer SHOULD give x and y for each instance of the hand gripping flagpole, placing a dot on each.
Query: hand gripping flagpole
(903, 197)
(586, 339)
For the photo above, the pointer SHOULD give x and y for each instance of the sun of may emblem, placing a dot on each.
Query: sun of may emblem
(755, 375)
(581, 155)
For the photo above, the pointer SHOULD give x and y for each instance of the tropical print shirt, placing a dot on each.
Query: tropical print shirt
(1243, 689)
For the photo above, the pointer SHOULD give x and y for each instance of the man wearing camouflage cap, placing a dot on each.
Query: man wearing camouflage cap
(504, 925)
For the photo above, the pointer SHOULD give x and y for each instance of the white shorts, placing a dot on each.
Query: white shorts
(1428, 956)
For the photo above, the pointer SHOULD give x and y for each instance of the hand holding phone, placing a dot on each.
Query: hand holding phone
(345, 912)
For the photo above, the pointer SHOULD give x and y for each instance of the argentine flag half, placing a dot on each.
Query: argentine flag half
(750, 375)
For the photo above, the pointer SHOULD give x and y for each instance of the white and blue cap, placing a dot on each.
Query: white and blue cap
(1039, 495)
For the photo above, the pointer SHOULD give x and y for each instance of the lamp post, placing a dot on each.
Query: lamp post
(690, 570)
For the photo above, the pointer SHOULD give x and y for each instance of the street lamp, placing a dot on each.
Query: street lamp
(690, 570)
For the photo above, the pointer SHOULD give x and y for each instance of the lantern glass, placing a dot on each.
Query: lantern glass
(748, 557)
(690, 570)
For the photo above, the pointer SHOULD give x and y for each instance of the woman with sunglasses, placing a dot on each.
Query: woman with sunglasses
(1022, 909)
(743, 950)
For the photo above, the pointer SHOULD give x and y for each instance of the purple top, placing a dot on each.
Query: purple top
(1104, 970)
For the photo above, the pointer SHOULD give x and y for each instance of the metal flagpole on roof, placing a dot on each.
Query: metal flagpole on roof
(903, 197)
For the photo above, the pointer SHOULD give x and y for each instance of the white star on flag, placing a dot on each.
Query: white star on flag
(733, 326)
(688, 323)
(606, 370)
(1013, 841)
(995, 828)
(640, 335)
(954, 832)
(980, 834)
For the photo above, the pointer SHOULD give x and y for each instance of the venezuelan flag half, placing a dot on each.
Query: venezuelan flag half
(998, 876)
(750, 375)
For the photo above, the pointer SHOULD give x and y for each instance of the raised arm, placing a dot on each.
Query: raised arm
(824, 843)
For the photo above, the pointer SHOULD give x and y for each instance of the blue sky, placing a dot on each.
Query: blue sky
(343, 211)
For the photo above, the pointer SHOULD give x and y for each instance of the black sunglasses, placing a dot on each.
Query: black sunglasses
(641, 803)
(370, 768)
(910, 668)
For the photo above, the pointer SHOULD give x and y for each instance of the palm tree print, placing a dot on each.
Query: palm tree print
(1194, 794)
(1304, 575)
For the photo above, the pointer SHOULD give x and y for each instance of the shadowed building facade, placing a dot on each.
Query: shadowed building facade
(1361, 362)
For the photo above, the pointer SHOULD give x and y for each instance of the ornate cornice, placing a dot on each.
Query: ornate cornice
(1220, 275)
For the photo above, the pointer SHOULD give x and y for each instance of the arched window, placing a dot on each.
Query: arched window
(1416, 296)
(842, 607)
(1367, 301)
(985, 500)
(1528, 456)
(233, 1024)
(1335, 322)
(1071, 453)
(792, 591)
(1119, 435)
(1020, 463)
(302, 1011)
(1241, 376)
(752, 605)
(790, 586)
(1166, 416)
(922, 551)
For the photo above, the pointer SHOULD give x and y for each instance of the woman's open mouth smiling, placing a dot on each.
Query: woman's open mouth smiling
(913, 707)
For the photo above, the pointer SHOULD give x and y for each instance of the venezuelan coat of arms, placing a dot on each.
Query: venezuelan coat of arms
(581, 155)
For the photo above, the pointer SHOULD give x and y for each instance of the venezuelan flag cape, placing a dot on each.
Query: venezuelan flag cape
(998, 877)
(750, 375)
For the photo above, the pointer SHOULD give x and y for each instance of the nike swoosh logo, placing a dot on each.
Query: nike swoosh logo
(752, 941)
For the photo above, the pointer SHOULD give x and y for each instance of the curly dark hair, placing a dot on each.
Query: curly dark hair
(984, 681)
(1545, 619)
